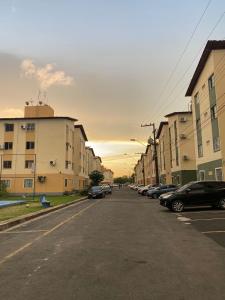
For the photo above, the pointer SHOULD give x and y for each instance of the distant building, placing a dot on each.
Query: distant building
(181, 147)
(164, 155)
(108, 175)
(207, 90)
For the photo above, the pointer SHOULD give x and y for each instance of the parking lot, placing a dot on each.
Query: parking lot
(206, 220)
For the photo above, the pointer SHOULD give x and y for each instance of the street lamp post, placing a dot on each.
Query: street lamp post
(155, 150)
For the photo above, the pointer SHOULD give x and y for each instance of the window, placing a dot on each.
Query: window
(6, 183)
(196, 99)
(219, 174)
(67, 163)
(213, 111)
(29, 164)
(216, 144)
(66, 183)
(7, 164)
(28, 183)
(200, 150)
(202, 175)
(30, 126)
(30, 145)
(9, 127)
(211, 82)
(8, 145)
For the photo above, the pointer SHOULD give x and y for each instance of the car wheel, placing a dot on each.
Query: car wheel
(222, 203)
(144, 193)
(177, 206)
(154, 196)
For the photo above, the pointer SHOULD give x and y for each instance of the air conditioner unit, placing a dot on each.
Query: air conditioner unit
(52, 163)
(182, 136)
(183, 119)
(2, 147)
(185, 157)
(24, 127)
(41, 179)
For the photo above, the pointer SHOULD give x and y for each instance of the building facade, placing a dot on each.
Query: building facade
(181, 147)
(164, 155)
(207, 91)
(43, 154)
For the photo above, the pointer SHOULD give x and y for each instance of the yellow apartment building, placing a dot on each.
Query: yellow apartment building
(164, 157)
(97, 163)
(181, 147)
(207, 92)
(36, 152)
(138, 172)
(80, 158)
(108, 175)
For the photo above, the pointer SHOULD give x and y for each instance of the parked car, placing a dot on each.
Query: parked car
(162, 189)
(197, 193)
(96, 192)
(143, 190)
(107, 188)
(138, 186)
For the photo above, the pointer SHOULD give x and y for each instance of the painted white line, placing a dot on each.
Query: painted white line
(187, 223)
(14, 253)
(23, 231)
(211, 219)
(215, 231)
(183, 219)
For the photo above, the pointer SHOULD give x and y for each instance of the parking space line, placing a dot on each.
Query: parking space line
(204, 211)
(17, 251)
(215, 231)
(211, 219)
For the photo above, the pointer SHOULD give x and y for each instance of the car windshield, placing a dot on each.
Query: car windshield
(96, 188)
(184, 187)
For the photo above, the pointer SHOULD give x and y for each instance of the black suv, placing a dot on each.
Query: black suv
(196, 193)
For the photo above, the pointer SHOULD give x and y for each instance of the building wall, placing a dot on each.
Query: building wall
(209, 157)
(164, 156)
(50, 141)
(182, 170)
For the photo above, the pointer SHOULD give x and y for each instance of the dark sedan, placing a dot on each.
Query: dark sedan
(96, 192)
(197, 193)
(162, 189)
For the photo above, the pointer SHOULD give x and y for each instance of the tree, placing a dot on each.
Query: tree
(123, 179)
(96, 177)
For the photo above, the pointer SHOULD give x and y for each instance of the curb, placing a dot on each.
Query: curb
(19, 220)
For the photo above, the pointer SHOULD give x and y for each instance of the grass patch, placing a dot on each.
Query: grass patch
(31, 206)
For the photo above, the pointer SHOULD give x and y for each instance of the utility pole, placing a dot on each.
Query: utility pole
(155, 150)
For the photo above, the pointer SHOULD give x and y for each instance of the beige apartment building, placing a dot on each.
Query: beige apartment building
(80, 158)
(164, 155)
(37, 151)
(207, 92)
(43, 153)
(97, 163)
(181, 147)
(148, 164)
(108, 175)
(138, 172)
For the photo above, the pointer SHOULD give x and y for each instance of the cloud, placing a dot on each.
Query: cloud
(11, 113)
(46, 76)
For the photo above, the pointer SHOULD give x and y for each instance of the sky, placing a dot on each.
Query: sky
(104, 62)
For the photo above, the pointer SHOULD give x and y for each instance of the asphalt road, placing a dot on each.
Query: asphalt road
(122, 247)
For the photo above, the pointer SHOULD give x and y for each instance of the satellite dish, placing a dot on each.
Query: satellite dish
(40, 102)
(27, 102)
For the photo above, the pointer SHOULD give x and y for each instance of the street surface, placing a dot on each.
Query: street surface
(122, 247)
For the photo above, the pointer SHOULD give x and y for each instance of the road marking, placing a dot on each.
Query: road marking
(23, 231)
(6, 258)
(211, 219)
(183, 219)
(215, 231)
(44, 216)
